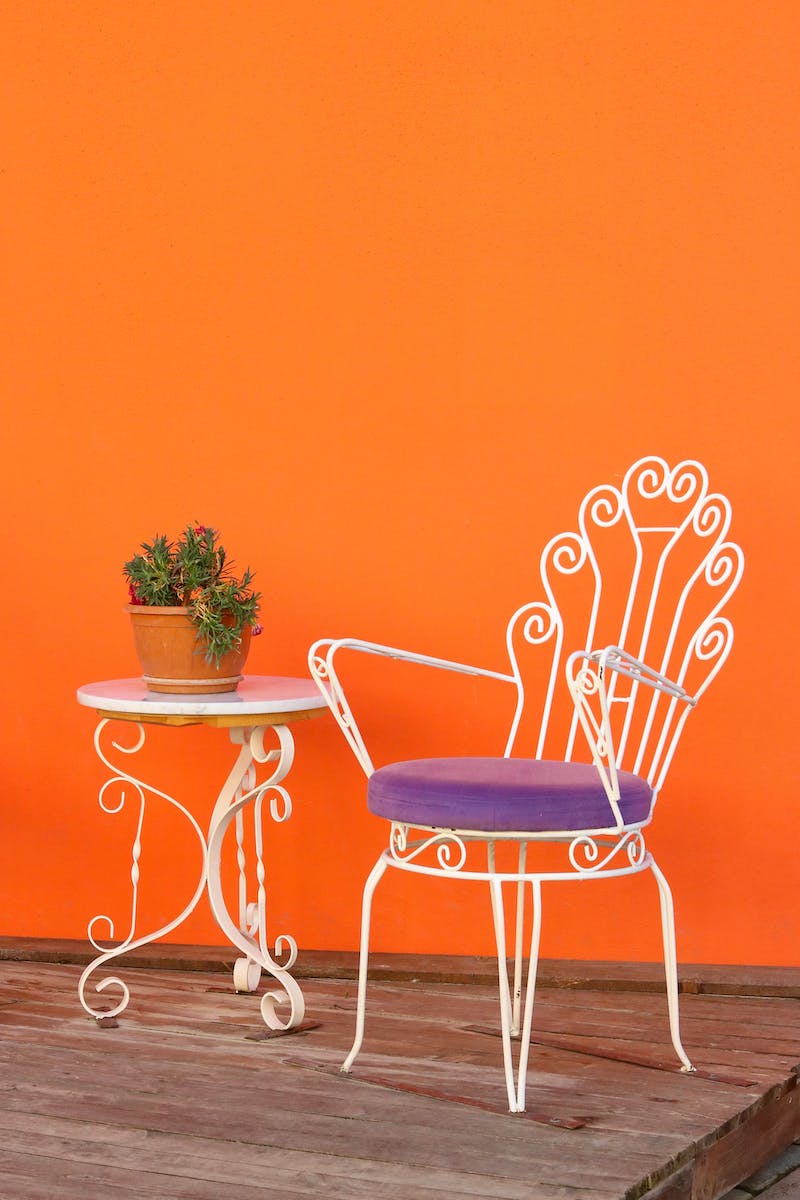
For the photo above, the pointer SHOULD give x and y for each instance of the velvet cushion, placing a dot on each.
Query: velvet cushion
(496, 795)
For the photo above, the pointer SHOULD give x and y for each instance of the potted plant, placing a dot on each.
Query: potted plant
(192, 616)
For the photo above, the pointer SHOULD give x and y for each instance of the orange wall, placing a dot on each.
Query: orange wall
(380, 289)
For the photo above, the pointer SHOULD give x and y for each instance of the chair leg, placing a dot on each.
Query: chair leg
(523, 849)
(498, 913)
(516, 1092)
(363, 960)
(530, 992)
(670, 964)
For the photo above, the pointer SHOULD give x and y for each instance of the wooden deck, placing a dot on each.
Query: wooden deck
(187, 1098)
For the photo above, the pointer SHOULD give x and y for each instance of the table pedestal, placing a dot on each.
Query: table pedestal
(242, 791)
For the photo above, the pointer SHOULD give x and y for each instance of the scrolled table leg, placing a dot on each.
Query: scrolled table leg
(124, 781)
(250, 935)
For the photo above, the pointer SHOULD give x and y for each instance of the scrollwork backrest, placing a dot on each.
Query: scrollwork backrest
(648, 569)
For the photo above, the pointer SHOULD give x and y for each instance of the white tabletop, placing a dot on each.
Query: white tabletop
(255, 695)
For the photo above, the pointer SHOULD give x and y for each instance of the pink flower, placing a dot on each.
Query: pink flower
(200, 530)
(132, 596)
(256, 630)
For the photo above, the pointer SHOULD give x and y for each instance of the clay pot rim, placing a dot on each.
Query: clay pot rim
(159, 608)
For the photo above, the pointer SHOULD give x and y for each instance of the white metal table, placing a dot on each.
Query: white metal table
(263, 705)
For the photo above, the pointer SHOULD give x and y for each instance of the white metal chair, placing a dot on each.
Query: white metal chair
(629, 632)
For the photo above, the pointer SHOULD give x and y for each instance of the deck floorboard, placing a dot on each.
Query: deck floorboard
(183, 1097)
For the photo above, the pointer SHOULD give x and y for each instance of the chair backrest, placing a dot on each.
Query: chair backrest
(649, 569)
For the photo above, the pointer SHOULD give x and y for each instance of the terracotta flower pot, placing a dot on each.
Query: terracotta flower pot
(173, 659)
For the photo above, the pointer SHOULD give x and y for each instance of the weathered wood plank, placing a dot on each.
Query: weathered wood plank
(454, 1135)
(180, 1074)
(239, 1164)
(677, 1187)
(34, 1176)
(583, 976)
(431, 1137)
(726, 1161)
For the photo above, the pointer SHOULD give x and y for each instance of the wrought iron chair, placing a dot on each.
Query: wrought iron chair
(636, 653)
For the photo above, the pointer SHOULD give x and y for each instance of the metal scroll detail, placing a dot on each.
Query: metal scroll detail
(588, 854)
(126, 783)
(451, 852)
(324, 672)
(241, 790)
(586, 858)
(250, 933)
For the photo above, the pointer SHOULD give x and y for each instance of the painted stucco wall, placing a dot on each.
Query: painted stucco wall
(380, 290)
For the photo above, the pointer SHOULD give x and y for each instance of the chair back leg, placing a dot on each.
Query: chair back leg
(670, 964)
(523, 851)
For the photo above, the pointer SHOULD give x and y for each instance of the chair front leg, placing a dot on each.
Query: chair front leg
(530, 991)
(363, 960)
(509, 1007)
(670, 964)
(498, 914)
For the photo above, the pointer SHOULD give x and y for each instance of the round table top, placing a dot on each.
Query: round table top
(259, 699)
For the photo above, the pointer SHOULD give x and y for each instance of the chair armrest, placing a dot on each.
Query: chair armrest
(586, 676)
(613, 658)
(321, 665)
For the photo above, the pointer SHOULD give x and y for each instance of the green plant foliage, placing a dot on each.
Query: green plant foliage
(195, 571)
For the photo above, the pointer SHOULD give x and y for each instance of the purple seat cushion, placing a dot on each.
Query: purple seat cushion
(496, 795)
